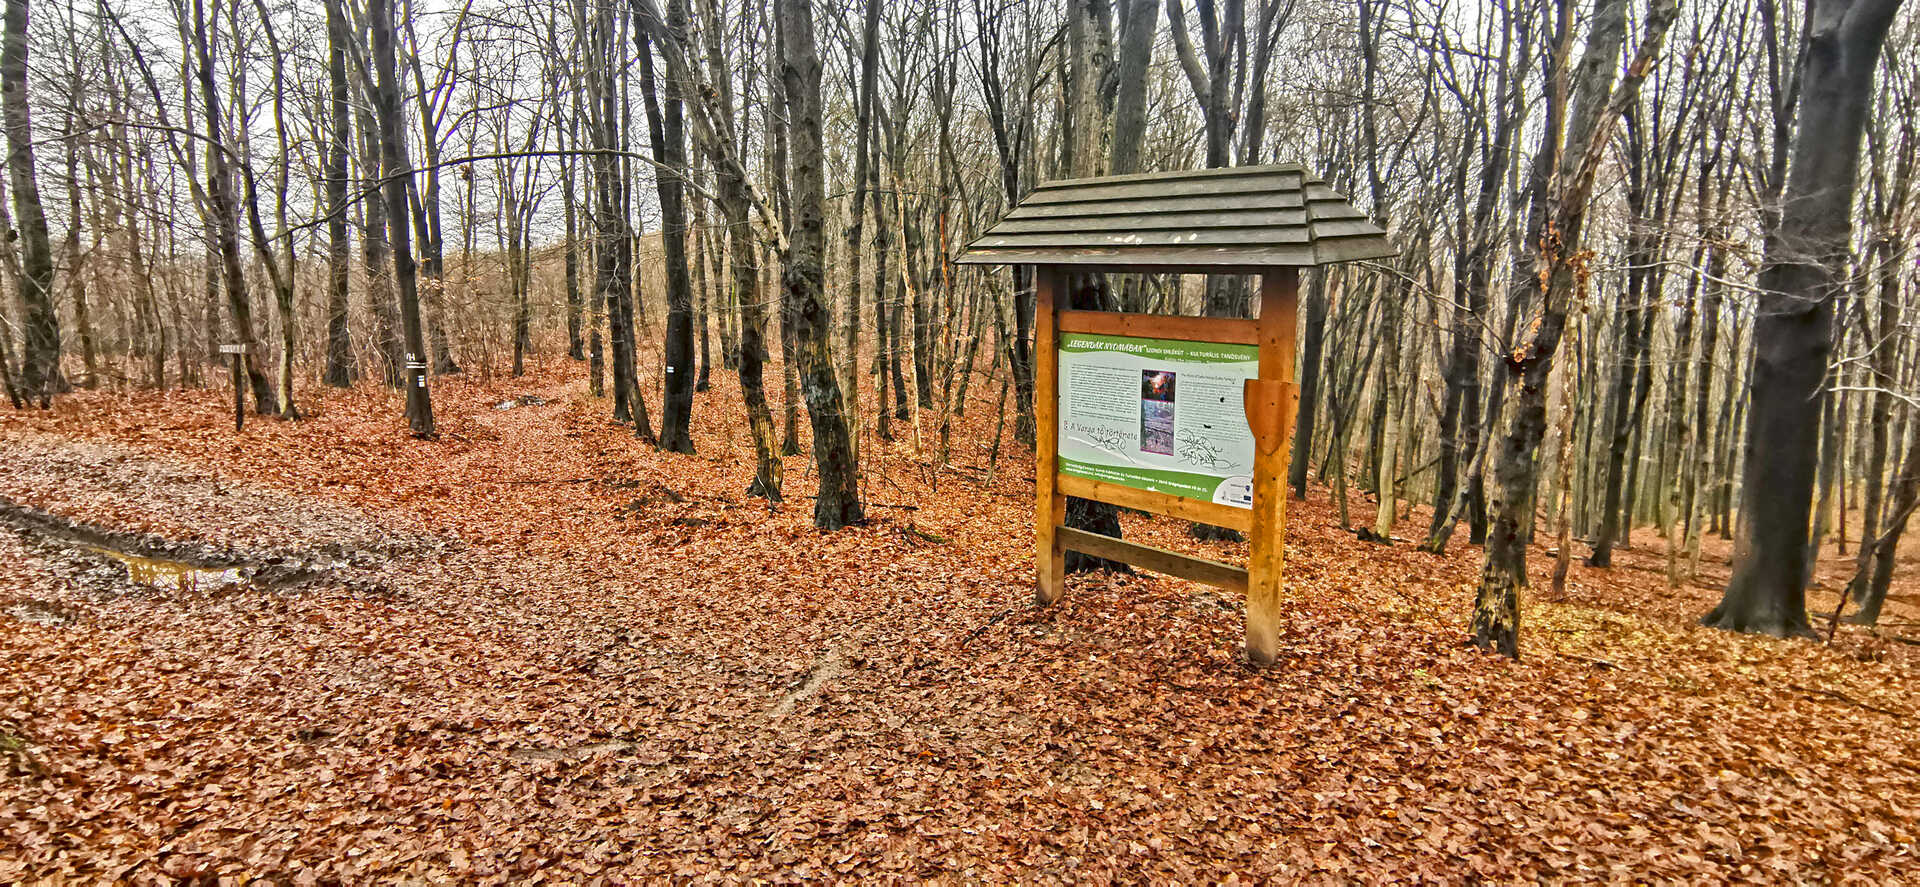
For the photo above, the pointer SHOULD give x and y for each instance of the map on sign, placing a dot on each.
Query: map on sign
(1158, 414)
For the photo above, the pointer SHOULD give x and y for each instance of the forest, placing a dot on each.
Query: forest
(472, 440)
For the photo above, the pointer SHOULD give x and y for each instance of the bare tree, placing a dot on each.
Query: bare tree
(1800, 280)
(40, 376)
(1555, 242)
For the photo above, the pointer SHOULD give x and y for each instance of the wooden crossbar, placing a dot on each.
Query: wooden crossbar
(1164, 504)
(1236, 331)
(1159, 560)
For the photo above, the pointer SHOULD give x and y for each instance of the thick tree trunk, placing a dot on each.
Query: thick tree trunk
(1801, 278)
(665, 124)
(838, 504)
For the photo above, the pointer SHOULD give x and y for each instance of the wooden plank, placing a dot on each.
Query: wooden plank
(1030, 223)
(1228, 187)
(1159, 560)
(1350, 249)
(1266, 543)
(1326, 229)
(1262, 201)
(1151, 502)
(1204, 260)
(1161, 326)
(1066, 240)
(1049, 503)
(1174, 178)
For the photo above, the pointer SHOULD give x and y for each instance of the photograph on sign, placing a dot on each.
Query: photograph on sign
(1158, 414)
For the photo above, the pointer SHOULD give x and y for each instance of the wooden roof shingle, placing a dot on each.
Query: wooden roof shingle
(1243, 218)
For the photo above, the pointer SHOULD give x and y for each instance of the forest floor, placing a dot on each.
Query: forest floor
(536, 647)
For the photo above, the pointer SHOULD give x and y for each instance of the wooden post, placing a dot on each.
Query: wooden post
(239, 395)
(238, 352)
(1049, 505)
(1279, 305)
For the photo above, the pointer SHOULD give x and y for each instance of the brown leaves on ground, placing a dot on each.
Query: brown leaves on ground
(545, 649)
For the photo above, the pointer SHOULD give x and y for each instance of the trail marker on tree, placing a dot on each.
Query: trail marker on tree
(1189, 417)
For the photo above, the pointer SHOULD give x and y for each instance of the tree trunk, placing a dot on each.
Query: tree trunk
(339, 370)
(225, 210)
(1873, 569)
(40, 376)
(664, 123)
(838, 504)
(570, 264)
(398, 174)
(1313, 339)
(1556, 247)
(375, 254)
(1801, 276)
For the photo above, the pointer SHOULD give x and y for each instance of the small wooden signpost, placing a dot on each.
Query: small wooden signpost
(239, 352)
(1188, 417)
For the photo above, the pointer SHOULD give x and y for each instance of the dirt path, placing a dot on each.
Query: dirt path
(537, 647)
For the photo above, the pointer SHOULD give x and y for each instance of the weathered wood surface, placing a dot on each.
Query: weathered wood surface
(1266, 558)
(1159, 560)
(1245, 217)
(1049, 504)
(1164, 504)
(1160, 326)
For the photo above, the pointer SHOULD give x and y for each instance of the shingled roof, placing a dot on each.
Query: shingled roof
(1243, 218)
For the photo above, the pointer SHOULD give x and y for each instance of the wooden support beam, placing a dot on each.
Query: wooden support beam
(1161, 326)
(1158, 560)
(1279, 306)
(1165, 504)
(1049, 503)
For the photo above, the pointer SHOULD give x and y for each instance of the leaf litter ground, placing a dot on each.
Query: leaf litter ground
(538, 649)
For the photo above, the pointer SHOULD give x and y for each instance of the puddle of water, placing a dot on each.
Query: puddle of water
(172, 575)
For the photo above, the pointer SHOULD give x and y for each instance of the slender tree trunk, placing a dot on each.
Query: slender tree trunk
(1873, 568)
(376, 255)
(226, 218)
(1313, 339)
(1556, 238)
(398, 176)
(339, 370)
(40, 376)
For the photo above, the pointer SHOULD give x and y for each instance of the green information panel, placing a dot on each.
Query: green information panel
(1158, 414)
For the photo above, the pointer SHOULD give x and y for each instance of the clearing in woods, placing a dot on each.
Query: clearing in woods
(538, 645)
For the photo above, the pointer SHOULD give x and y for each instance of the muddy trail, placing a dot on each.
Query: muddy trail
(538, 648)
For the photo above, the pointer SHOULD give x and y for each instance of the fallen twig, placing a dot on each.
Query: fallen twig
(1835, 694)
(989, 624)
(1596, 663)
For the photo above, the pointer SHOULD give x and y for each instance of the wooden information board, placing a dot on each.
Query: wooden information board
(1268, 399)
(1148, 397)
